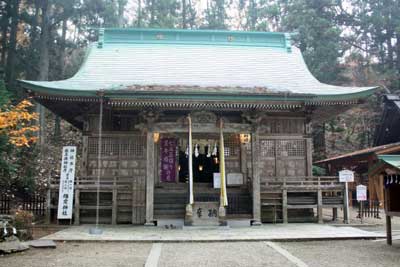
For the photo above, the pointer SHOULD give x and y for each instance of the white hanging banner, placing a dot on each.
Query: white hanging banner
(67, 178)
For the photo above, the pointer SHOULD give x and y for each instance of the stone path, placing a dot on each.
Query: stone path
(278, 232)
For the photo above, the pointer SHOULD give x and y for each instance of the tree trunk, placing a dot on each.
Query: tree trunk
(57, 128)
(152, 12)
(139, 14)
(121, 11)
(11, 56)
(184, 15)
(4, 32)
(43, 67)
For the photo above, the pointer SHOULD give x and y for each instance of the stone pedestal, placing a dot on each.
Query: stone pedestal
(188, 215)
(222, 216)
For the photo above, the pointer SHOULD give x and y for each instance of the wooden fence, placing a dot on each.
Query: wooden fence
(35, 204)
(369, 208)
(4, 204)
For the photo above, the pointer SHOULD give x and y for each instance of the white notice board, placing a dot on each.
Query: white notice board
(361, 193)
(67, 178)
(346, 176)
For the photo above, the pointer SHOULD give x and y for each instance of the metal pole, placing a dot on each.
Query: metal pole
(346, 199)
(97, 231)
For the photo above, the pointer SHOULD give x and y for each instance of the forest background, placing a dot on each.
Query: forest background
(350, 42)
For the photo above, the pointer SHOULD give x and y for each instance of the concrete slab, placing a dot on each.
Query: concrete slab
(42, 243)
(278, 232)
(12, 247)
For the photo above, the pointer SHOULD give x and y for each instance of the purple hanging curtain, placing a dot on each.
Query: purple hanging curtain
(168, 159)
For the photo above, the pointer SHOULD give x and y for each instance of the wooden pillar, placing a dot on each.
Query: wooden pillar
(256, 179)
(114, 210)
(309, 156)
(84, 158)
(388, 230)
(77, 211)
(243, 161)
(381, 195)
(284, 206)
(319, 206)
(150, 165)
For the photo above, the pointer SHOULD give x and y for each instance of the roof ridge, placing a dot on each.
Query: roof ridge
(198, 37)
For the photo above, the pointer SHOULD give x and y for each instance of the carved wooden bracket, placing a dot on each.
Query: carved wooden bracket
(254, 118)
(199, 117)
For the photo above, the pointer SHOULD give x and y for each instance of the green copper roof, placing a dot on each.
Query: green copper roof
(393, 160)
(196, 64)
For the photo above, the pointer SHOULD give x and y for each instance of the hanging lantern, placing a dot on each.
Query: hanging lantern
(156, 137)
(244, 138)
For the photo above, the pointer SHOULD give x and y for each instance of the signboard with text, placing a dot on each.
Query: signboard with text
(67, 178)
(346, 176)
(361, 193)
(205, 213)
(168, 159)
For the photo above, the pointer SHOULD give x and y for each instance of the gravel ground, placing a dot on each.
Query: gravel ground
(353, 253)
(346, 253)
(221, 254)
(81, 254)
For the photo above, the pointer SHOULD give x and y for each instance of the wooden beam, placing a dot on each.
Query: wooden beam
(174, 127)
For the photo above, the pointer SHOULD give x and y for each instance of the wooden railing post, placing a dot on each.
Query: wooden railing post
(284, 203)
(77, 212)
(48, 205)
(319, 206)
(388, 230)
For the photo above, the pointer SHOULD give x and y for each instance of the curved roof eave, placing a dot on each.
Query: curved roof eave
(207, 65)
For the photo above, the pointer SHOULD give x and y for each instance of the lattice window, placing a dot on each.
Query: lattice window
(291, 148)
(115, 146)
(267, 148)
(232, 146)
(133, 146)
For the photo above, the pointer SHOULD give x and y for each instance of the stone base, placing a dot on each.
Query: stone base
(188, 215)
(95, 231)
(150, 224)
(256, 223)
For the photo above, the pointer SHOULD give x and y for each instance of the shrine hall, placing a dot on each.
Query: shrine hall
(195, 127)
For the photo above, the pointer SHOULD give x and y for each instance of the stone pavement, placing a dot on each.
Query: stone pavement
(276, 232)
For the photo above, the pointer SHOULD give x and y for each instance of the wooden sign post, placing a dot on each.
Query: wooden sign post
(361, 197)
(346, 176)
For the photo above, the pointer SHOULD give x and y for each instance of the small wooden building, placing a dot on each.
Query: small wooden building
(389, 166)
(150, 80)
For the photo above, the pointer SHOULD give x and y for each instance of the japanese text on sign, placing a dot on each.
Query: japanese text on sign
(168, 159)
(346, 176)
(67, 178)
(361, 193)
